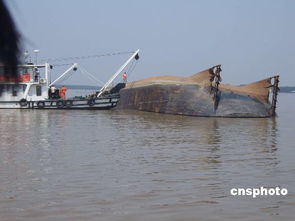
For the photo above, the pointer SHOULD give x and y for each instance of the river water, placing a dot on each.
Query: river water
(129, 165)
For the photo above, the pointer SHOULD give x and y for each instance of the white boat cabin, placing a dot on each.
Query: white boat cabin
(31, 85)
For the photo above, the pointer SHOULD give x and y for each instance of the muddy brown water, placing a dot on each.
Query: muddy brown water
(130, 165)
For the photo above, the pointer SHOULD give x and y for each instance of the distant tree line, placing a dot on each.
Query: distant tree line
(287, 89)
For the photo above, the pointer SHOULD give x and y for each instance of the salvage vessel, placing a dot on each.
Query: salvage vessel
(32, 89)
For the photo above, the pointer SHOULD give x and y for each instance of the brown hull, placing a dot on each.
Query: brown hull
(191, 100)
(198, 95)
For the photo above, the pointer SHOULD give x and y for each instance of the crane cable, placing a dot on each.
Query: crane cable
(83, 57)
(131, 68)
(90, 76)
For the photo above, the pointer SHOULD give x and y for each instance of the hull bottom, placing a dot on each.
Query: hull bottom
(192, 100)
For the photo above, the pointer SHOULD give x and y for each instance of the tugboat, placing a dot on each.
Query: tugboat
(32, 89)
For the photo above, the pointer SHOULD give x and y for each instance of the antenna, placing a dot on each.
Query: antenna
(36, 51)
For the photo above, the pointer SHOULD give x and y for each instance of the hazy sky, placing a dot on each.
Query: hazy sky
(251, 39)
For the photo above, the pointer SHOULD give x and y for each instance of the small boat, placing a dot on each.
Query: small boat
(31, 90)
(201, 94)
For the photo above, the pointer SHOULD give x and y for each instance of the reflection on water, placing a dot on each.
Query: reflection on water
(129, 165)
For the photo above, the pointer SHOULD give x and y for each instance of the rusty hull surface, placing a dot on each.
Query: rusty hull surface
(193, 100)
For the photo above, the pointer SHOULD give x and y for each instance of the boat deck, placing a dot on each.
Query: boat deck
(105, 102)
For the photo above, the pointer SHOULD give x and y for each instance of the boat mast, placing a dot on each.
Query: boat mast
(73, 67)
(47, 73)
(117, 73)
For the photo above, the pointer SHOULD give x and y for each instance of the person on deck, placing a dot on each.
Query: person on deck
(124, 77)
(52, 91)
(62, 92)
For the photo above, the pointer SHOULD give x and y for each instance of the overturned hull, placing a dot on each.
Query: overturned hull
(199, 95)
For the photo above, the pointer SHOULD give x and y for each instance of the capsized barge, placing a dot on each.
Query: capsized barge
(201, 94)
